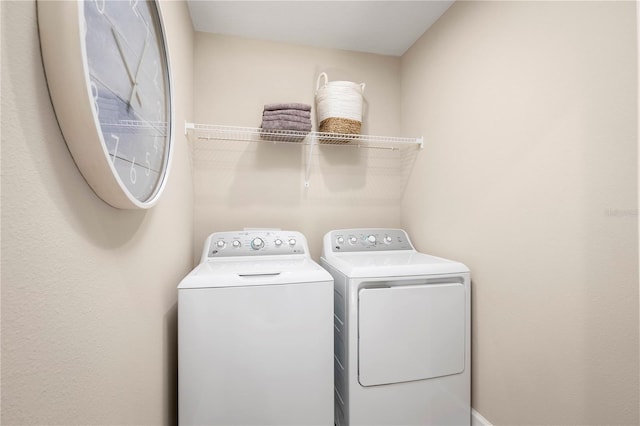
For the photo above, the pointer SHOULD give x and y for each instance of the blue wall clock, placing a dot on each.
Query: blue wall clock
(107, 68)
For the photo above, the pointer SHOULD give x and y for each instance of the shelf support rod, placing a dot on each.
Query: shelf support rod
(307, 172)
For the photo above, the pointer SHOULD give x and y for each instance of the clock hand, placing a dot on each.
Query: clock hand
(135, 84)
(116, 35)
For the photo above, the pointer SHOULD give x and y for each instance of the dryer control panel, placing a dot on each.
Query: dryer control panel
(367, 239)
(254, 243)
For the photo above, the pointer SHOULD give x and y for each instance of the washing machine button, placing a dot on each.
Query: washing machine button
(257, 243)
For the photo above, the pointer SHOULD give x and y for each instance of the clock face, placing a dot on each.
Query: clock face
(127, 74)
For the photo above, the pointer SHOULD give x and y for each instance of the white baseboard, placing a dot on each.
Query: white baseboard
(478, 420)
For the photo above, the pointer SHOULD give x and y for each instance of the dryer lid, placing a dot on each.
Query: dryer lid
(254, 272)
(392, 264)
(408, 333)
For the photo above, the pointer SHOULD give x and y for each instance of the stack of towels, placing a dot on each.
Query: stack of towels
(291, 116)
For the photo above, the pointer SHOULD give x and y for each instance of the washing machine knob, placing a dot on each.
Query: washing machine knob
(220, 244)
(340, 240)
(353, 239)
(292, 242)
(278, 242)
(387, 239)
(236, 243)
(257, 243)
(371, 239)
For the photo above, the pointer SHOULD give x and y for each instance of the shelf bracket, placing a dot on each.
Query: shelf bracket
(188, 126)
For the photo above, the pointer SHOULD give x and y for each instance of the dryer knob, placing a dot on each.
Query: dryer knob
(387, 239)
(292, 242)
(236, 243)
(340, 240)
(278, 242)
(257, 243)
(371, 239)
(220, 243)
(353, 239)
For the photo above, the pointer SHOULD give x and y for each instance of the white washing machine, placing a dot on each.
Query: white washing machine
(401, 331)
(255, 333)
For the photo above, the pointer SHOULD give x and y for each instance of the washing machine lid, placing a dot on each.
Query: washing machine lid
(254, 272)
(392, 264)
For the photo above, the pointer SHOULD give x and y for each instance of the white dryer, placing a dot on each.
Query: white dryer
(255, 333)
(401, 331)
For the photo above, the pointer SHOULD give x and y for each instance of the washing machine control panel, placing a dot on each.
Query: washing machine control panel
(368, 239)
(254, 243)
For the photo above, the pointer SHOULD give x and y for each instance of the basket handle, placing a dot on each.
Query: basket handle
(326, 80)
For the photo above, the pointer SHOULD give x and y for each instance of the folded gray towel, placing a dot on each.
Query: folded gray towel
(287, 117)
(282, 135)
(286, 125)
(297, 112)
(273, 107)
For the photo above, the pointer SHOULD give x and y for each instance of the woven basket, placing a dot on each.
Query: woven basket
(341, 125)
(339, 105)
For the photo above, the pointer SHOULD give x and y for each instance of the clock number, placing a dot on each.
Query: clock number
(132, 172)
(134, 7)
(94, 94)
(148, 169)
(115, 151)
(155, 76)
(100, 9)
(146, 27)
(159, 105)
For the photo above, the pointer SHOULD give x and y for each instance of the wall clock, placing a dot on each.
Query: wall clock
(107, 69)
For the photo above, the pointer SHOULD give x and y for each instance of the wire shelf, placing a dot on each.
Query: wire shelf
(403, 149)
(254, 134)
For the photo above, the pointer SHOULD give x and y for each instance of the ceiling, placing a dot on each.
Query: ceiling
(382, 27)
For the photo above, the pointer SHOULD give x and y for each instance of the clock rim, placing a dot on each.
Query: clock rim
(65, 61)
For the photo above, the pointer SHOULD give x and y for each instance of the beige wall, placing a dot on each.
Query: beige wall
(88, 291)
(243, 184)
(529, 176)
